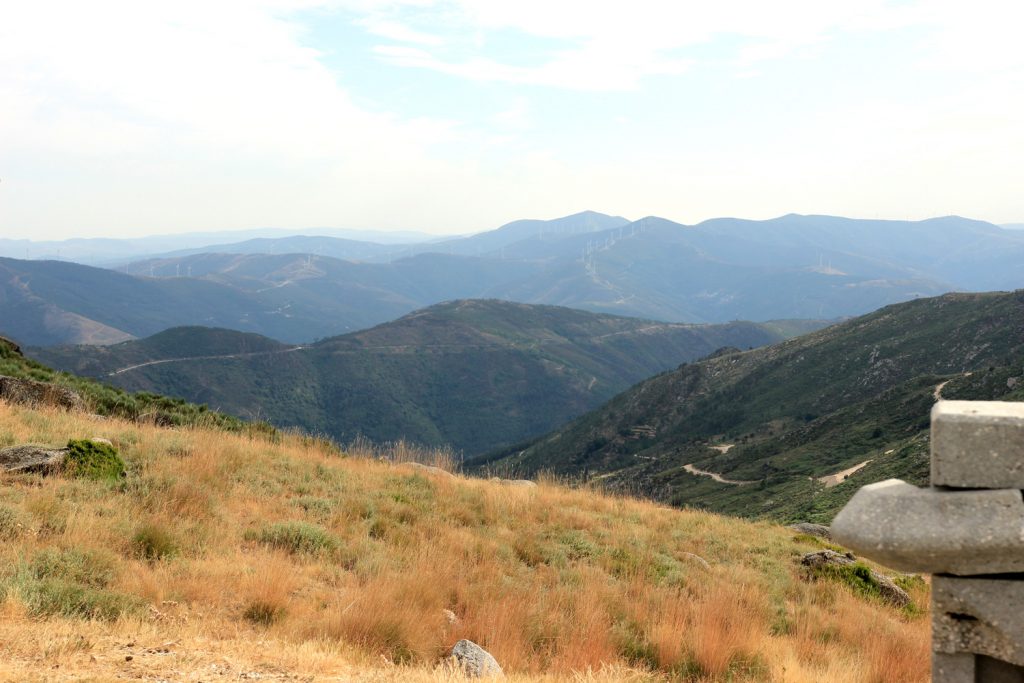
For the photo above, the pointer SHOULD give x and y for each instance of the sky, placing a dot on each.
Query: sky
(127, 118)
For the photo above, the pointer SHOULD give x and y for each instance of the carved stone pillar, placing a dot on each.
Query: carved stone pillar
(967, 530)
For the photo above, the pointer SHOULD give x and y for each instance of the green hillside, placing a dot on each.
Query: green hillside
(108, 401)
(175, 343)
(784, 416)
(473, 374)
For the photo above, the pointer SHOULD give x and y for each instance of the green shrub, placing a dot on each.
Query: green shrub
(92, 460)
(856, 576)
(11, 525)
(295, 537)
(153, 542)
(388, 636)
(263, 613)
(88, 568)
(54, 597)
(909, 582)
(634, 646)
(318, 507)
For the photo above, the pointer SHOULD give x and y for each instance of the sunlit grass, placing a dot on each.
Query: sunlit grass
(281, 554)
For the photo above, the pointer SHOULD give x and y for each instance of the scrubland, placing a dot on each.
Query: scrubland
(227, 556)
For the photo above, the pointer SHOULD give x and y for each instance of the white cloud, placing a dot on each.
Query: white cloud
(393, 30)
(147, 107)
(614, 46)
(129, 117)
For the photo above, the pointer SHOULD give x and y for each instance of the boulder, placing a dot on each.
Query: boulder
(521, 483)
(30, 392)
(819, 530)
(697, 559)
(888, 590)
(31, 458)
(475, 661)
(428, 469)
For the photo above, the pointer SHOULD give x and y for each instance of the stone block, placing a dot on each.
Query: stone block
(978, 444)
(984, 616)
(956, 668)
(928, 530)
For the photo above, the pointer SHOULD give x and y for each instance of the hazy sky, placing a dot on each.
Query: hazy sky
(131, 118)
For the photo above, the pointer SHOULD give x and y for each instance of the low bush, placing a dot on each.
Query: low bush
(11, 524)
(263, 612)
(295, 537)
(88, 568)
(153, 542)
(55, 597)
(93, 460)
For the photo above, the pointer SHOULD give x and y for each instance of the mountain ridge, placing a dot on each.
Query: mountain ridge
(795, 412)
(816, 267)
(470, 373)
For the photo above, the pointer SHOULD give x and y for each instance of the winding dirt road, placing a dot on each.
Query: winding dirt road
(717, 477)
(194, 358)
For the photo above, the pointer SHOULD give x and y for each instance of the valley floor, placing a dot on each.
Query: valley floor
(244, 557)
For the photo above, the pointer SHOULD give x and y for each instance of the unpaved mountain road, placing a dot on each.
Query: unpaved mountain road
(838, 478)
(194, 358)
(717, 477)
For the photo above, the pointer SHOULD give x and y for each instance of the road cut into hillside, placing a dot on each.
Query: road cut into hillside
(717, 477)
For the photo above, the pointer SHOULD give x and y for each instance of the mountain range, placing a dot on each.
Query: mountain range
(791, 430)
(470, 374)
(108, 251)
(725, 269)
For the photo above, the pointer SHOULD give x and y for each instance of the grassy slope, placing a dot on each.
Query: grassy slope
(798, 410)
(234, 555)
(473, 374)
(108, 401)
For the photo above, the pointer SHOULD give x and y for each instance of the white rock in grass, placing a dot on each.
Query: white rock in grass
(429, 469)
(475, 661)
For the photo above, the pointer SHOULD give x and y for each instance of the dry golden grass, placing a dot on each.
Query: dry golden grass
(234, 556)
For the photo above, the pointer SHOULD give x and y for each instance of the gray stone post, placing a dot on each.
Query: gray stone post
(967, 530)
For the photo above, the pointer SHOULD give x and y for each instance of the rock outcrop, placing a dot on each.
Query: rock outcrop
(30, 392)
(429, 469)
(32, 458)
(475, 661)
(888, 590)
(819, 530)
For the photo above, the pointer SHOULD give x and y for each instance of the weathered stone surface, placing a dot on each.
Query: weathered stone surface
(826, 557)
(697, 559)
(933, 531)
(979, 615)
(31, 458)
(888, 590)
(952, 668)
(978, 444)
(34, 393)
(475, 661)
(819, 530)
(522, 483)
(429, 469)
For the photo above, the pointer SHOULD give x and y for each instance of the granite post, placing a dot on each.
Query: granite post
(967, 530)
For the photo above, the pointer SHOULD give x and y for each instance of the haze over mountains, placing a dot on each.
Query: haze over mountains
(725, 269)
(470, 374)
(102, 251)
